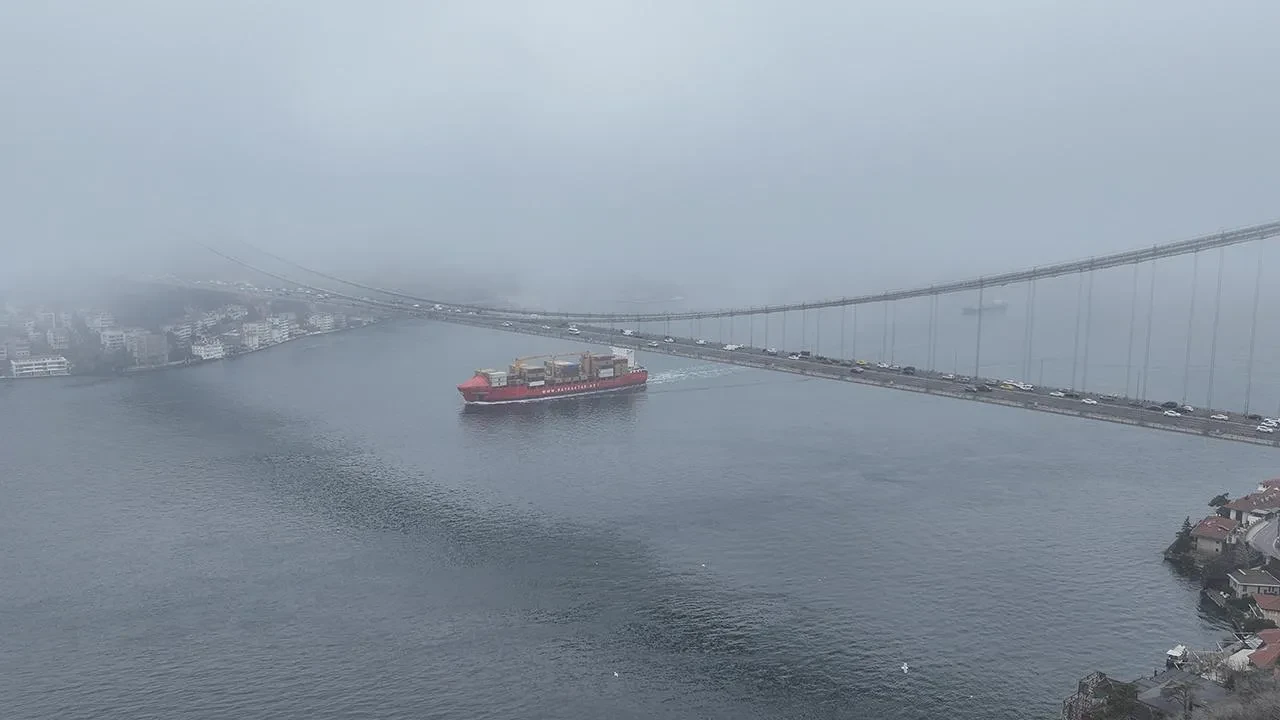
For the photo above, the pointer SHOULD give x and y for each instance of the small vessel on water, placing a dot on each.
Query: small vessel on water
(997, 307)
(546, 377)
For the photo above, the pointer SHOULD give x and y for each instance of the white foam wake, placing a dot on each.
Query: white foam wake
(692, 373)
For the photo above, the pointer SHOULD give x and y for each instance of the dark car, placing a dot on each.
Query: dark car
(856, 370)
(909, 370)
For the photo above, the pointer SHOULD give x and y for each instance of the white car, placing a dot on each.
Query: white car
(653, 343)
(793, 356)
(574, 331)
(1057, 393)
(506, 323)
(668, 339)
(1219, 416)
(546, 327)
(701, 342)
(882, 365)
(772, 351)
(1265, 429)
(1089, 401)
(1172, 413)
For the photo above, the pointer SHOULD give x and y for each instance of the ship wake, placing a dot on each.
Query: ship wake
(692, 373)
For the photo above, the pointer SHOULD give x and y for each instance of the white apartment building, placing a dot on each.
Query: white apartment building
(112, 340)
(101, 320)
(208, 350)
(58, 338)
(208, 320)
(323, 322)
(47, 366)
(254, 335)
(236, 312)
(183, 331)
(131, 338)
(281, 327)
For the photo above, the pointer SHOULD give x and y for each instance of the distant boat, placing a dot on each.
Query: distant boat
(992, 308)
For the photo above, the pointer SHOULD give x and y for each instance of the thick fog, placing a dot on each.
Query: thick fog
(744, 150)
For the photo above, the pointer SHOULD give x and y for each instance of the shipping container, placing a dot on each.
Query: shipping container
(497, 378)
(604, 372)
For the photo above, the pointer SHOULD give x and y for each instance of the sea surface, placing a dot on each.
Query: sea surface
(320, 531)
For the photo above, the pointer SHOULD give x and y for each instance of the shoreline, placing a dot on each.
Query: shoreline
(191, 362)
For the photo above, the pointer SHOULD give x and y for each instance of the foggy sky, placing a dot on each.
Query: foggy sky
(775, 150)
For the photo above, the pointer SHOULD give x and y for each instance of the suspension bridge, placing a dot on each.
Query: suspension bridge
(1086, 337)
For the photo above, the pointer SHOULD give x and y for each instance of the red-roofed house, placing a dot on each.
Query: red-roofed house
(1251, 508)
(1270, 607)
(1211, 535)
(1265, 656)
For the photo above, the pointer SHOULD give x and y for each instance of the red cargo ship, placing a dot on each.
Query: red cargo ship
(557, 376)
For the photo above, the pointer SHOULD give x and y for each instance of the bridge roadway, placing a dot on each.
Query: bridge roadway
(1237, 429)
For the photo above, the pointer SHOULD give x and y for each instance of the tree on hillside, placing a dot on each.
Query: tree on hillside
(1219, 500)
(1182, 543)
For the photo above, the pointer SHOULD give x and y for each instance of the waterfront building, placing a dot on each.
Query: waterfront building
(254, 335)
(44, 366)
(208, 350)
(323, 322)
(112, 340)
(183, 331)
(280, 328)
(1269, 606)
(18, 349)
(1254, 581)
(1211, 535)
(1253, 507)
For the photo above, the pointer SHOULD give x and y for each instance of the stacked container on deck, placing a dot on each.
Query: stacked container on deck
(602, 366)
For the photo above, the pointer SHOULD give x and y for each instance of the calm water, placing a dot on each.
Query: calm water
(319, 531)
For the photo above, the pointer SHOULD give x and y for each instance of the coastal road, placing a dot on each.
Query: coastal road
(1263, 536)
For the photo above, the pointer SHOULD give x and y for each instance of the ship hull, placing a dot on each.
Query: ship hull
(485, 395)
